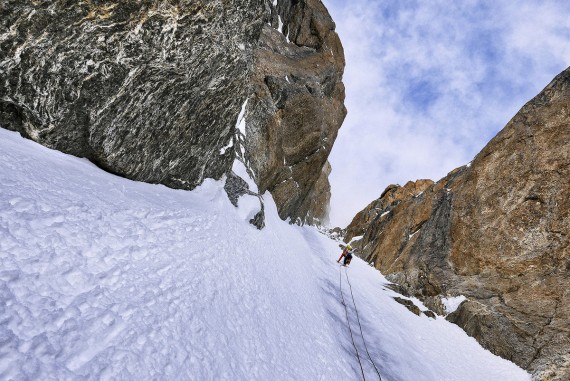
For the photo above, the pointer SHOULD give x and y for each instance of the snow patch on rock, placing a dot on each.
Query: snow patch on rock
(452, 303)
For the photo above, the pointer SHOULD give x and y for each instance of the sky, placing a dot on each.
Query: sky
(429, 83)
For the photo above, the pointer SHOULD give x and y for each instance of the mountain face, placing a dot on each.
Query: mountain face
(152, 90)
(296, 108)
(495, 231)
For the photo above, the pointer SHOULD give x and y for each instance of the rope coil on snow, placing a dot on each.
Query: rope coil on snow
(349, 328)
(361, 334)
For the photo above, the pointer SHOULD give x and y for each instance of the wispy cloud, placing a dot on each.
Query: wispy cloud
(430, 83)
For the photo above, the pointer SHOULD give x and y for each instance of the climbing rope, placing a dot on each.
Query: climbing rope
(348, 321)
(361, 334)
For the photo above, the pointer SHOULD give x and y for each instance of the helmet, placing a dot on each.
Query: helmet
(349, 247)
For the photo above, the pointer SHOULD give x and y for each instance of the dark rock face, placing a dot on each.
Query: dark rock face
(496, 231)
(152, 90)
(296, 108)
(148, 90)
(236, 187)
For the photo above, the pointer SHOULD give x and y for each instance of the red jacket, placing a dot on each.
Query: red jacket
(344, 253)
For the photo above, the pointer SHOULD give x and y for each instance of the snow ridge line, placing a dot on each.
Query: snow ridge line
(361, 334)
(348, 321)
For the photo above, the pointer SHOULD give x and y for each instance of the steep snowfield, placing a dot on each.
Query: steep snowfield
(106, 278)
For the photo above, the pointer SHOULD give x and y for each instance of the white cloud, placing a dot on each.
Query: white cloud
(430, 83)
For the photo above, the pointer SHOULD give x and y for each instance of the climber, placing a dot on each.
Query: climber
(347, 254)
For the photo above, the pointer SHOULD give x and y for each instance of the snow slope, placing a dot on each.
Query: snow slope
(106, 278)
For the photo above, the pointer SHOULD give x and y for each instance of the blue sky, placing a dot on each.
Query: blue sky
(429, 83)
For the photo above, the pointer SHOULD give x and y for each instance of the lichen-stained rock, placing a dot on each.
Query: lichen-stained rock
(496, 231)
(296, 108)
(146, 89)
(380, 209)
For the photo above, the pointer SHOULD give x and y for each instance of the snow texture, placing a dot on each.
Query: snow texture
(451, 304)
(103, 278)
(224, 149)
(240, 124)
(239, 169)
(280, 29)
(356, 238)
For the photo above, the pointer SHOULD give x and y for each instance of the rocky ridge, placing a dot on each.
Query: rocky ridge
(496, 231)
(152, 90)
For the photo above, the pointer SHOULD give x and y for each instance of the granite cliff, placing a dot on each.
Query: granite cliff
(152, 90)
(496, 231)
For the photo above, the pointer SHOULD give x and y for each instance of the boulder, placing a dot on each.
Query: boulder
(144, 89)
